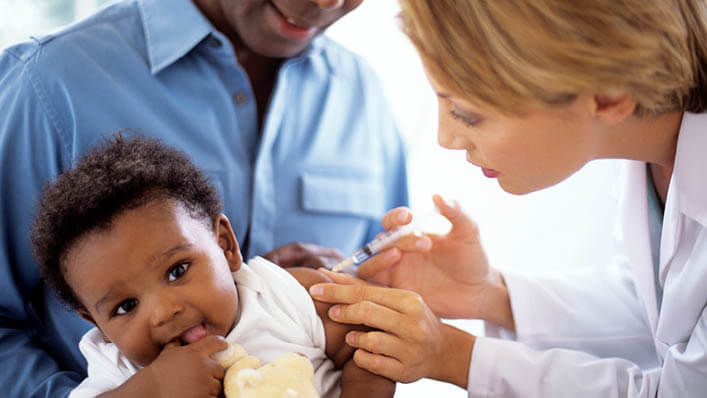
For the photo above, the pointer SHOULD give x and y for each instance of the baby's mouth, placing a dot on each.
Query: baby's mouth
(193, 334)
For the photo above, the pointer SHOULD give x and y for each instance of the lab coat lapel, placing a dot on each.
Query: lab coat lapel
(634, 212)
(687, 193)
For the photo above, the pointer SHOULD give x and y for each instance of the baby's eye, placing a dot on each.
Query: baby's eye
(126, 306)
(177, 271)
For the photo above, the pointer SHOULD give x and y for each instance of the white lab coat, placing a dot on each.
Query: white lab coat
(599, 333)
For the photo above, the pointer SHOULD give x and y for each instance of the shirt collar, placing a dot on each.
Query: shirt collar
(172, 29)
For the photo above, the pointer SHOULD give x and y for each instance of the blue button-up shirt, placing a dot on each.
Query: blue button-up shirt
(325, 166)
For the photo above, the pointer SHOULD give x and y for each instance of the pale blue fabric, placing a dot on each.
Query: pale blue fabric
(328, 164)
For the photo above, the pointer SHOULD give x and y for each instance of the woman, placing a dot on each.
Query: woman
(533, 90)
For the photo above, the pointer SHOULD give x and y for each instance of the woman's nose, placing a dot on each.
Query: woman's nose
(449, 140)
(165, 309)
(328, 3)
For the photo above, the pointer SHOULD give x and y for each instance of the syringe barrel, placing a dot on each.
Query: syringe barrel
(387, 238)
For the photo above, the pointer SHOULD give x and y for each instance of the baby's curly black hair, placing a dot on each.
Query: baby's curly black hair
(118, 175)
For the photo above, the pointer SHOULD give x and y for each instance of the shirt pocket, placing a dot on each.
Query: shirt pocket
(344, 193)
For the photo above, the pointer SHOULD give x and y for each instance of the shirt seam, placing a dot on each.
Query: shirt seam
(48, 110)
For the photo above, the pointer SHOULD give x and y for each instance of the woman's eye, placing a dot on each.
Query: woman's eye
(177, 271)
(463, 118)
(126, 306)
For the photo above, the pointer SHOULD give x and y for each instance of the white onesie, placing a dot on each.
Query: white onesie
(277, 315)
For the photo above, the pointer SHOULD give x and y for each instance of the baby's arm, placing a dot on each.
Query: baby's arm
(355, 382)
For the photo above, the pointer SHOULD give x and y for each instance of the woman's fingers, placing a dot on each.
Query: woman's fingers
(379, 364)
(396, 217)
(377, 343)
(369, 314)
(462, 226)
(391, 256)
(403, 301)
(342, 278)
(376, 264)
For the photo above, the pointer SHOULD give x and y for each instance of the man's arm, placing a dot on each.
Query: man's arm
(355, 382)
(31, 151)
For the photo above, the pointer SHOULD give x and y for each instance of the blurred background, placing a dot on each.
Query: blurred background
(554, 230)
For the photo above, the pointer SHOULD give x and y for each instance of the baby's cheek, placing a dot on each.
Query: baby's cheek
(138, 348)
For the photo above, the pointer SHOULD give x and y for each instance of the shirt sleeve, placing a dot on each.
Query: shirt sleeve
(582, 337)
(29, 155)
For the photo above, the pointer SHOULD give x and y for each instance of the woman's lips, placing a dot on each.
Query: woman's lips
(490, 173)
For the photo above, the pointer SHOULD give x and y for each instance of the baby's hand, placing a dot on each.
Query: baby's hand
(190, 370)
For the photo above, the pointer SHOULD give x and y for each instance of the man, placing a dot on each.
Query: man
(291, 127)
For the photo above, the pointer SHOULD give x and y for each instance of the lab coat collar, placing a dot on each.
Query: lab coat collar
(687, 193)
(634, 222)
(172, 28)
(687, 197)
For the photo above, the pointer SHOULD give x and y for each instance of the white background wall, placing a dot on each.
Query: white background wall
(564, 226)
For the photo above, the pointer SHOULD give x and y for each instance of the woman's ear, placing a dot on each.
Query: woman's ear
(613, 108)
(83, 313)
(227, 241)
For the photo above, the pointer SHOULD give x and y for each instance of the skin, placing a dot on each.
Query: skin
(158, 285)
(255, 29)
(450, 272)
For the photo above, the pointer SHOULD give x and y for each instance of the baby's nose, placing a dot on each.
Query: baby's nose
(165, 309)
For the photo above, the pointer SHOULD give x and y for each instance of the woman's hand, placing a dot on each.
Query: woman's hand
(449, 271)
(410, 343)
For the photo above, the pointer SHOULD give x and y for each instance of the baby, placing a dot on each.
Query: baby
(133, 239)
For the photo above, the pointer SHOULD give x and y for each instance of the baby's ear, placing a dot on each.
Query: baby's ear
(227, 241)
(83, 313)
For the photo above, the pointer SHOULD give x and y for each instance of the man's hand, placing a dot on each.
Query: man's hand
(298, 254)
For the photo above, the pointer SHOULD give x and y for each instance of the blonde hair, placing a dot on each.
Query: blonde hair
(510, 54)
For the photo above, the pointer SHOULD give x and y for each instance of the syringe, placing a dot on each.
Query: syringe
(369, 250)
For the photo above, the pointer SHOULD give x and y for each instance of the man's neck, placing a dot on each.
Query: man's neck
(261, 70)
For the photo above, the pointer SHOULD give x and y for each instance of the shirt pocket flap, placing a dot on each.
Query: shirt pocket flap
(355, 195)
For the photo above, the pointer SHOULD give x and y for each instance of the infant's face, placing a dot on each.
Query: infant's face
(157, 275)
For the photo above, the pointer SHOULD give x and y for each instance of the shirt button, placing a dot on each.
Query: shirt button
(240, 98)
(215, 43)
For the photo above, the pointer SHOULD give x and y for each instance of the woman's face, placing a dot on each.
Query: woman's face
(526, 153)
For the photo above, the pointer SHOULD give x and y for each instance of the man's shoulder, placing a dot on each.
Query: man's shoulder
(119, 24)
(342, 60)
